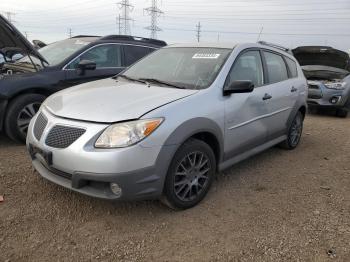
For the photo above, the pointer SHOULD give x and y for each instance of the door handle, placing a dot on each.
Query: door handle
(294, 89)
(267, 96)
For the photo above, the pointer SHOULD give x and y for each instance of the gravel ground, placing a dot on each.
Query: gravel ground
(277, 206)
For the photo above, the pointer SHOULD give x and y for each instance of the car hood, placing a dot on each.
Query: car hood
(324, 72)
(11, 38)
(109, 100)
(321, 55)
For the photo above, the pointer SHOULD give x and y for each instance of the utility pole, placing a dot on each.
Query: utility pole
(198, 30)
(261, 30)
(154, 12)
(26, 34)
(126, 8)
(70, 33)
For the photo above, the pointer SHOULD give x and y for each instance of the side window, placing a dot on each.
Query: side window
(103, 56)
(292, 67)
(248, 66)
(276, 67)
(134, 53)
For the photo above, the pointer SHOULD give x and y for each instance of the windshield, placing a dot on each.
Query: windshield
(187, 67)
(57, 52)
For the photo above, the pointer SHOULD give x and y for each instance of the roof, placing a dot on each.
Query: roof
(203, 45)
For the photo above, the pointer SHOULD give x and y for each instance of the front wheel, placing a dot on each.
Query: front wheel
(190, 175)
(294, 133)
(19, 113)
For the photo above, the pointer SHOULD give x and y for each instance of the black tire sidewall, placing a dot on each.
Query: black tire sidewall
(188, 147)
(298, 115)
(13, 110)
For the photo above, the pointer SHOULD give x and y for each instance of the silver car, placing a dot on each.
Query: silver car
(328, 73)
(165, 126)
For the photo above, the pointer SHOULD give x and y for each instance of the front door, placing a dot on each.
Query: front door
(108, 59)
(245, 113)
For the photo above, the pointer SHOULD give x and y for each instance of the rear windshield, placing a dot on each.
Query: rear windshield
(188, 67)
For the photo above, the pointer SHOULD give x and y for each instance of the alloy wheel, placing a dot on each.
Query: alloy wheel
(191, 176)
(25, 115)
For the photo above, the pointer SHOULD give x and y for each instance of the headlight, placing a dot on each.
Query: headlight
(336, 85)
(127, 133)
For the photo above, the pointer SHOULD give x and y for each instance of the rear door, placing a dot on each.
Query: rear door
(134, 53)
(245, 125)
(282, 90)
(108, 59)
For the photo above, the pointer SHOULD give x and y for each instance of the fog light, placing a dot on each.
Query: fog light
(335, 99)
(116, 189)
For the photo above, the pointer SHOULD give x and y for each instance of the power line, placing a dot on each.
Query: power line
(126, 8)
(154, 12)
(198, 31)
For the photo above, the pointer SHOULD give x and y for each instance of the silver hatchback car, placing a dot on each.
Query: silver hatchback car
(166, 125)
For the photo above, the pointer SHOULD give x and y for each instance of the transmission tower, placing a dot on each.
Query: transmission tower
(9, 16)
(154, 12)
(124, 19)
(198, 31)
(70, 32)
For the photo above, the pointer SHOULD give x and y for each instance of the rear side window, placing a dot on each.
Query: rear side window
(248, 66)
(135, 53)
(276, 67)
(292, 67)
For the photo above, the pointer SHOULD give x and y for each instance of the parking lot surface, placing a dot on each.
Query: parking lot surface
(277, 206)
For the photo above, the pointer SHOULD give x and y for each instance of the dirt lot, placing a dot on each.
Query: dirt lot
(276, 206)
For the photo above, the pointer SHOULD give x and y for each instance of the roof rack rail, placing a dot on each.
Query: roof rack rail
(275, 46)
(134, 38)
(81, 36)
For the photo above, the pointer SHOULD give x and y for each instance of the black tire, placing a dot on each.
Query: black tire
(294, 133)
(194, 158)
(19, 113)
(342, 113)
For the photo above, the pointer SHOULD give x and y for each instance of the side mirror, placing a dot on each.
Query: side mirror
(85, 65)
(239, 86)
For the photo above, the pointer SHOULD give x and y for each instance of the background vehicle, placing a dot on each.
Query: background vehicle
(166, 125)
(327, 70)
(26, 83)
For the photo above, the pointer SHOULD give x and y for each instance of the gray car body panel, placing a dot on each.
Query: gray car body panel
(243, 125)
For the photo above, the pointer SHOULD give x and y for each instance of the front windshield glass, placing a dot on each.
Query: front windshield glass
(57, 52)
(187, 67)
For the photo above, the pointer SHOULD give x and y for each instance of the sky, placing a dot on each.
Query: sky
(290, 23)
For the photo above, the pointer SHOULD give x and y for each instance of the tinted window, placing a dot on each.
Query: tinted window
(103, 56)
(276, 67)
(135, 53)
(292, 67)
(248, 66)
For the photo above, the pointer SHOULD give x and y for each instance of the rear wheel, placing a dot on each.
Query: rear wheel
(19, 113)
(190, 175)
(342, 112)
(294, 133)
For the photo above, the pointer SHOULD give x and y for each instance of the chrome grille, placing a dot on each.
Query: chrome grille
(63, 136)
(39, 126)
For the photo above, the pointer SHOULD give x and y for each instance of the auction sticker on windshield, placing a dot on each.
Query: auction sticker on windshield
(205, 56)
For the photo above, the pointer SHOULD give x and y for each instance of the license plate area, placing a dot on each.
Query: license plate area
(44, 155)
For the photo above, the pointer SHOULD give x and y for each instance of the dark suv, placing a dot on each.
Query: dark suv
(25, 83)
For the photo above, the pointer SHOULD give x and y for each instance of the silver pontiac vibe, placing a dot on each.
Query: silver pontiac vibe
(165, 126)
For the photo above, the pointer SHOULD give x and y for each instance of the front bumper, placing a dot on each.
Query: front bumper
(319, 95)
(139, 171)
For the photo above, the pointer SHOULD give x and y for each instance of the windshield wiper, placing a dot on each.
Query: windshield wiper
(131, 79)
(157, 81)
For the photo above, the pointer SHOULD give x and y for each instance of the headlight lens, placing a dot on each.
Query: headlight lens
(336, 85)
(127, 133)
